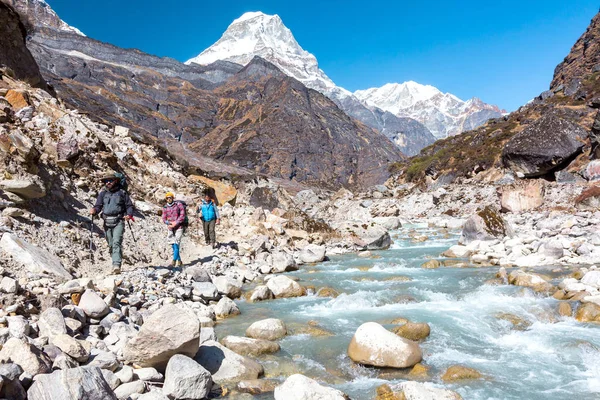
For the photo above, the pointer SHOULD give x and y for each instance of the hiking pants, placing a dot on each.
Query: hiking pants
(114, 237)
(209, 231)
(174, 239)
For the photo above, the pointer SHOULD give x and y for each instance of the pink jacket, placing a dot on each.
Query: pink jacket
(174, 212)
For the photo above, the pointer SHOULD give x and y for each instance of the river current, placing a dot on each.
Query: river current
(537, 355)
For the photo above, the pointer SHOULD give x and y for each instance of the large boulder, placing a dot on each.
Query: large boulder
(93, 305)
(283, 262)
(225, 308)
(224, 192)
(250, 347)
(544, 146)
(25, 355)
(267, 329)
(367, 236)
(527, 279)
(374, 345)
(27, 189)
(587, 312)
(312, 254)
(300, 387)
(486, 224)
(186, 379)
(522, 197)
(225, 365)
(83, 383)
(52, 323)
(415, 331)
(37, 260)
(265, 198)
(282, 286)
(456, 373)
(168, 331)
(227, 286)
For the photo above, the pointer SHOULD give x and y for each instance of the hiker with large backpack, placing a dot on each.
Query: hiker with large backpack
(116, 207)
(209, 214)
(174, 214)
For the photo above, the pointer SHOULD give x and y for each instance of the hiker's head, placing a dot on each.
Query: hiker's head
(110, 181)
(169, 196)
(207, 196)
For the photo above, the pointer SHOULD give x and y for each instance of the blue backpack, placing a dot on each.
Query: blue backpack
(208, 211)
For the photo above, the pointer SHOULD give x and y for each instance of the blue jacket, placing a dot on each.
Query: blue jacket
(208, 211)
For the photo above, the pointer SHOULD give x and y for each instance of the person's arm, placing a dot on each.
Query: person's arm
(164, 215)
(99, 204)
(128, 205)
(180, 214)
(216, 211)
(199, 211)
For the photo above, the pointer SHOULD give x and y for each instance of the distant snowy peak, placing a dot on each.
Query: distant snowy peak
(258, 34)
(42, 15)
(443, 114)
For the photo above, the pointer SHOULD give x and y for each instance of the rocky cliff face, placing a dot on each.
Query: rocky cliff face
(40, 14)
(553, 136)
(13, 52)
(204, 107)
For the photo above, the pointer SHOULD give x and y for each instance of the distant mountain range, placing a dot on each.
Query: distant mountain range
(442, 114)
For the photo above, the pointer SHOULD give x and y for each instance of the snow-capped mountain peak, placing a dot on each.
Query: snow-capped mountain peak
(43, 15)
(258, 34)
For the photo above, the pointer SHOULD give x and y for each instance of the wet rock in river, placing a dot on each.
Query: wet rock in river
(588, 312)
(249, 346)
(225, 365)
(459, 373)
(300, 387)
(267, 329)
(413, 331)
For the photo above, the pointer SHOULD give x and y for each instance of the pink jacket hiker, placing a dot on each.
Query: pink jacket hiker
(174, 212)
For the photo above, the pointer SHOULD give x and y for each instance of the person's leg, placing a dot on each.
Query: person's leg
(178, 236)
(213, 237)
(171, 241)
(108, 234)
(206, 226)
(117, 241)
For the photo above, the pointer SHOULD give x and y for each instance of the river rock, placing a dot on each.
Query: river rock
(127, 390)
(374, 345)
(9, 285)
(227, 286)
(71, 347)
(587, 312)
(486, 224)
(37, 260)
(312, 254)
(282, 286)
(83, 383)
(300, 387)
(206, 290)
(250, 347)
(25, 355)
(225, 308)
(267, 329)
(186, 379)
(367, 236)
(169, 330)
(92, 305)
(257, 386)
(327, 292)
(565, 309)
(226, 366)
(413, 331)
(520, 198)
(457, 251)
(153, 395)
(25, 188)
(459, 373)
(52, 323)
(591, 278)
(424, 391)
(527, 279)
(431, 264)
(283, 262)
(544, 146)
(261, 293)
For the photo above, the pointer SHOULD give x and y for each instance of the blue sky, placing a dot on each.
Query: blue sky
(503, 52)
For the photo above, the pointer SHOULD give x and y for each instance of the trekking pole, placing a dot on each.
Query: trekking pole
(131, 230)
(92, 236)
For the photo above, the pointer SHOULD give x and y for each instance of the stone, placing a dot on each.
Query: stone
(534, 281)
(457, 251)
(25, 188)
(250, 347)
(587, 312)
(459, 373)
(261, 293)
(544, 146)
(126, 390)
(206, 290)
(125, 374)
(366, 236)
(327, 292)
(111, 379)
(92, 305)
(10, 371)
(312, 254)
(198, 274)
(225, 365)
(281, 286)
(26, 355)
(153, 395)
(591, 278)
(148, 374)
(267, 329)
(519, 198)
(18, 326)
(18, 99)
(424, 391)
(52, 323)
(13, 212)
(374, 345)
(431, 264)
(103, 360)
(169, 330)
(186, 379)
(227, 286)
(565, 309)
(413, 331)
(35, 259)
(225, 308)
(83, 383)
(71, 347)
(283, 262)
(224, 192)
(257, 386)
(300, 387)
(486, 224)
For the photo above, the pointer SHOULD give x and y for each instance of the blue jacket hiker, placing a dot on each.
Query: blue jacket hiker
(209, 214)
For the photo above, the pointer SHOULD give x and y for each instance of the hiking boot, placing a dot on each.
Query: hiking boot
(215, 245)
(172, 264)
(116, 269)
(178, 263)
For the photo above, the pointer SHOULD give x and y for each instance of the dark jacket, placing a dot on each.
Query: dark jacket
(114, 203)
